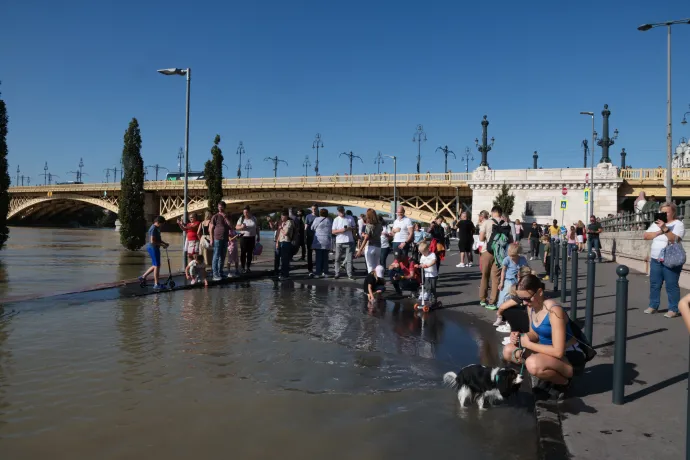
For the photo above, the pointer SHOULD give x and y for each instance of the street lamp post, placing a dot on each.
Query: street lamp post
(379, 161)
(248, 167)
(45, 174)
(685, 121)
(591, 175)
(157, 167)
(18, 171)
(669, 138)
(240, 151)
(419, 137)
(351, 156)
(467, 157)
(535, 157)
(180, 157)
(317, 144)
(306, 164)
(188, 73)
(446, 151)
(485, 148)
(623, 154)
(275, 161)
(395, 180)
(606, 141)
(81, 166)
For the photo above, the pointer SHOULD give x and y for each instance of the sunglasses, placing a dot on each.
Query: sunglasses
(527, 299)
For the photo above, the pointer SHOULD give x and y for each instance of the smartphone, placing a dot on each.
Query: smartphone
(660, 216)
(345, 227)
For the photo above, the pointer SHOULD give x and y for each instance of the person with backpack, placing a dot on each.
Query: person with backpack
(496, 234)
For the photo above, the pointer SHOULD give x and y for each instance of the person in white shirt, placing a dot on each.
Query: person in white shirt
(403, 232)
(344, 241)
(247, 227)
(385, 243)
(664, 231)
(427, 262)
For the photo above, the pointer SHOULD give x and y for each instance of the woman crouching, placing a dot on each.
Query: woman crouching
(549, 350)
(375, 284)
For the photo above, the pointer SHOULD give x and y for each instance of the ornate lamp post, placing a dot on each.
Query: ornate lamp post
(535, 157)
(306, 165)
(467, 157)
(623, 154)
(606, 141)
(248, 167)
(485, 148)
(317, 144)
(419, 137)
(395, 180)
(240, 152)
(446, 151)
(685, 121)
(351, 156)
(275, 161)
(379, 161)
(18, 171)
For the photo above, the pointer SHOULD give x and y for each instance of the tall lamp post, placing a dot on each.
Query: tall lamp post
(685, 121)
(188, 73)
(306, 164)
(180, 157)
(446, 151)
(485, 148)
(467, 157)
(317, 144)
(395, 181)
(275, 161)
(248, 167)
(351, 156)
(18, 171)
(379, 161)
(419, 137)
(606, 141)
(591, 175)
(240, 152)
(535, 158)
(669, 138)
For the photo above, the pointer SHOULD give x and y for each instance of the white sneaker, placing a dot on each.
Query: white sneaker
(469, 264)
(505, 328)
(460, 265)
(498, 322)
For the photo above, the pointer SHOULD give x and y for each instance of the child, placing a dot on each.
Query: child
(427, 262)
(153, 246)
(515, 321)
(375, 284)
(196, 270)
(511, 266)
(233, 256)
(546, 241)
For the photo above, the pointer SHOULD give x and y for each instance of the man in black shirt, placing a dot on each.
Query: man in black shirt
(593, 231)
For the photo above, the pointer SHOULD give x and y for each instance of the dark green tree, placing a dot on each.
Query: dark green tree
(131, 203)
(4, 176)
(505, 200)
(213, 171)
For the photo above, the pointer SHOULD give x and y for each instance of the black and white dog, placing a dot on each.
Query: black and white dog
(480, 383)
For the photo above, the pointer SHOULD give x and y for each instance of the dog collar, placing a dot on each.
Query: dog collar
(496, 379)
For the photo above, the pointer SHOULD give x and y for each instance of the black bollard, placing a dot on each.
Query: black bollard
(551, 260)
(589, 308)
(564, 270)
(621, 334)
(556, 254)
(573, 288)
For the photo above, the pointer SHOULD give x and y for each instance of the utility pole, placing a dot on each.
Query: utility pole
(240, 151)
(275, 161)
(317, 144)
(306, 165)
(248, 167)
(446, 151)
(50, 178)
(379, 161)
(157, 167)
(45, 174)
(351, 156)
(419, 137)
(467, 157)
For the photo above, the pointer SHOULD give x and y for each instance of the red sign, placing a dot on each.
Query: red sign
(564, 191)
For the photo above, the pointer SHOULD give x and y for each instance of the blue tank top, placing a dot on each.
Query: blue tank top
(544, 331)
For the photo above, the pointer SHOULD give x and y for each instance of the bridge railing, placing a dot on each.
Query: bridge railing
(655, 174)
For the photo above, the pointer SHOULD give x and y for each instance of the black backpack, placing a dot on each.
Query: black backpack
(497, 230)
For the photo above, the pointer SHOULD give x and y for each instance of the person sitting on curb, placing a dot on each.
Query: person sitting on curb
(403, 274)
(549, 350)
(375, 284)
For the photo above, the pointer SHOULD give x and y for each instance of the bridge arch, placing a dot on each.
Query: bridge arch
(32, 205)
(279, 199)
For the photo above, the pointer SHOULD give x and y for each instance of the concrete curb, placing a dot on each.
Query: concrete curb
(550, 440)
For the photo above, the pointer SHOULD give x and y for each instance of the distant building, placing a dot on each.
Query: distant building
(682, 157)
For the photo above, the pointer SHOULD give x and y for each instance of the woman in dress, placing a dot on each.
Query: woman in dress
(371, 240)
(465, 233)
(580, 236)
(205, 239)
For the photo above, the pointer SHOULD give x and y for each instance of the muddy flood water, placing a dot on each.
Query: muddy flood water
(254, 370)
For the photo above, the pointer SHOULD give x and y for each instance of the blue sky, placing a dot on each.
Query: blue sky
(363, 74)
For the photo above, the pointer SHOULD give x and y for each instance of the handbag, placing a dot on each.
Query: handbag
(673, 255)
(204, 241)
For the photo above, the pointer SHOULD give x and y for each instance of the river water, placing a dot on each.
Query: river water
(251, 370)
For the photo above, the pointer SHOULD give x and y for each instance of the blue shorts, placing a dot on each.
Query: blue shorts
(155, 253)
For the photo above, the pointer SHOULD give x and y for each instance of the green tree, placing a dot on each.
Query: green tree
(213, 171)
(131, 203)
(505, 200)
(4, 176)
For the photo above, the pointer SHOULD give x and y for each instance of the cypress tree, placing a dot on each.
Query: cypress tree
(213, 172)
(131, 203)
(4, 176)
(505, 200)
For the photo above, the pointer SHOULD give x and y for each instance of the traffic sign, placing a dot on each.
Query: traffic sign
(587, 196)
(564, 191)
(564, 204)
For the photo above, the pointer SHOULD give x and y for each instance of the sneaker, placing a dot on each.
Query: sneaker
(650, 311)
(671, 314)
(460, 265)
(504, 328)
(159, 287)
(469, 264)
(248, 270)
(546, 278)
(337, 276)
(311, 275)
(350, 277)
(482, 303)
(498, 322)
(142, 279)
(491, 307)
(216, 278)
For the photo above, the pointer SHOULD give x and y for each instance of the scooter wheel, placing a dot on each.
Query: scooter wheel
(425, 309)
(416, 306)
(171, 284)
(142, 284)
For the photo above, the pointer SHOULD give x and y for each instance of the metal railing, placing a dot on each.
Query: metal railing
(633, 221)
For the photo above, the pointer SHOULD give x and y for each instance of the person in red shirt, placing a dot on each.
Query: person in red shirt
(403, 274)
(192, 231)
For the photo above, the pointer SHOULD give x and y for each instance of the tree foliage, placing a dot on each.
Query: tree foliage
(213, 171)
(505, 200)
(4, 176)
(131, 203)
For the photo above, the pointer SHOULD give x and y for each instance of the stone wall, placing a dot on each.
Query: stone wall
(629, 248)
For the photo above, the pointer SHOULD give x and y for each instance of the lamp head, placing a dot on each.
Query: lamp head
(173, 71)
(644, 27)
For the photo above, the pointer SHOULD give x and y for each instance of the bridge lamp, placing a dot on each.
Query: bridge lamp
(395, 180)
(188, 73)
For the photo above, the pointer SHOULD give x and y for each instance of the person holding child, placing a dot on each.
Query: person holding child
(403, 274)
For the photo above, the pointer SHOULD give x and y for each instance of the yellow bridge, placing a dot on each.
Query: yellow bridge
(423, 195)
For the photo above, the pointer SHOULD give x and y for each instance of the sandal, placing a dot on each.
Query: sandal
(671, 314)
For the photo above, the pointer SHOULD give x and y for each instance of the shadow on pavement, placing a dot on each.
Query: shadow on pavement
(656, 387)
(599, 379)
(631, 337)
